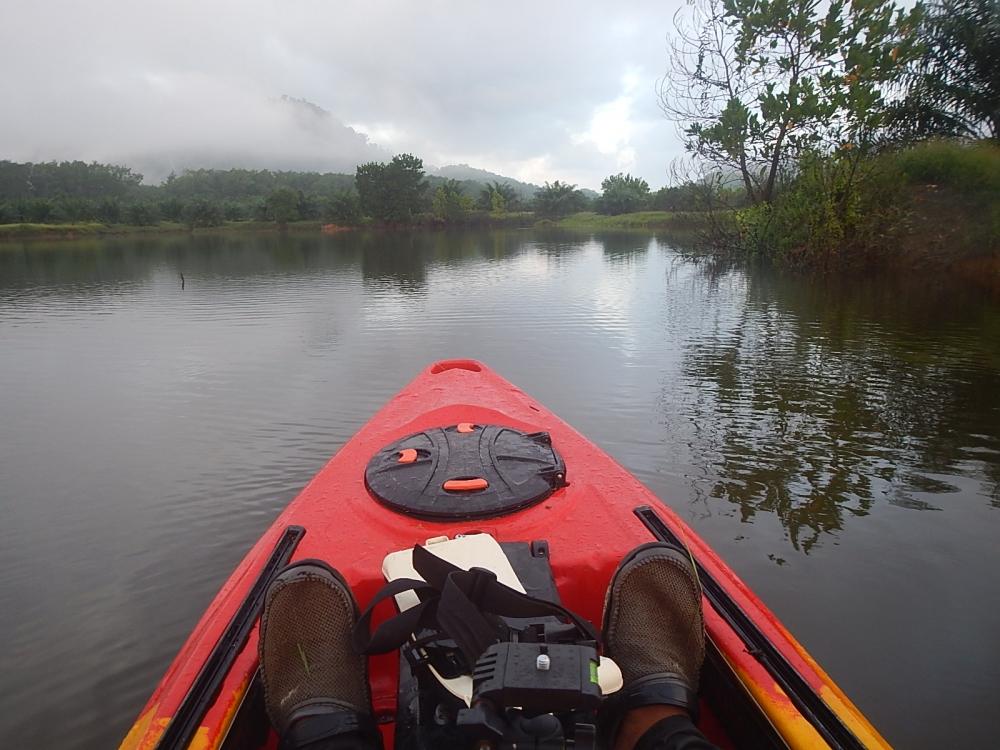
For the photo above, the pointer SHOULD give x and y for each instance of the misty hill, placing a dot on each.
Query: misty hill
(465, 173)
(282, 135)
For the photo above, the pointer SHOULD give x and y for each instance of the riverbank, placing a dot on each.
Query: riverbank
(586, 221)
(96, 229)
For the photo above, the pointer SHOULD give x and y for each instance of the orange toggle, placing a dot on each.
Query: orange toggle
(466, 485)
(466, 427)
(407, 455)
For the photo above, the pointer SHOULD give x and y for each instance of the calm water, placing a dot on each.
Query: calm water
(838, 442)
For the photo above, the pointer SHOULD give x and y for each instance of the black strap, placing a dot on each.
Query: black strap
(661, 689)
(463, 605)
(317, 729)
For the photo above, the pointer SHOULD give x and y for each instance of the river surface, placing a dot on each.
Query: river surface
(837, 441)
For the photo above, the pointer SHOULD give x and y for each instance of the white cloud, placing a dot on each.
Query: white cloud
(612, 126)
(535, 90)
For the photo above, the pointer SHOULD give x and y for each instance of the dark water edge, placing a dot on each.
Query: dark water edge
(837, 440)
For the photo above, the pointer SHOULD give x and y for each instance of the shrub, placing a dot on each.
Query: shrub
(343, 207)
(834, 207)
(202, 213)
(142, 214)
(965, 167)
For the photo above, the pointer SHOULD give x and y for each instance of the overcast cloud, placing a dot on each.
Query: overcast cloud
(536, 90)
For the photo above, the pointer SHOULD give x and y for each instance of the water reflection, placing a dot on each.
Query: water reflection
(835, 441)
(812, 407)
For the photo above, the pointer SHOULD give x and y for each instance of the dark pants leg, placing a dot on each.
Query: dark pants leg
(328, 732)
(343, 742)
(674, 733)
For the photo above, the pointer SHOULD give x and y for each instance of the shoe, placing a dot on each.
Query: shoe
(308, 664)
(654, 628)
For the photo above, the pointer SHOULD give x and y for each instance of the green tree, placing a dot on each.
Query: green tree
(498, 197)
(172, 209)
(449, 202)
(558, 199)
(343, 207)
(109, 211)
(953, 88)
(622, 194)
(283, 206)
(202, 213)
(391, 192)
(758, 84)
(142, 214)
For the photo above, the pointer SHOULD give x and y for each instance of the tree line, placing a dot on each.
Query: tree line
(394, 192)
(812, 114)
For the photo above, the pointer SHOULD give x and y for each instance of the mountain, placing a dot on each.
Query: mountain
(285, 134)
(465, 173)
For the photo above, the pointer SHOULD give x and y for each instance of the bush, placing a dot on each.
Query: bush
(8, 213)
(967, 168)
(142, 215)
(835, 207)
(233, 211)
(343, 207)
(109, 211)
(202, 213)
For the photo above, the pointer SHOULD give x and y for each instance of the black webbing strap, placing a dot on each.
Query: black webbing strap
(463, 605)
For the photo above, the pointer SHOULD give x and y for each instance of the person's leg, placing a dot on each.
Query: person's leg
(315, 682)
(655, 631)
(660, 728)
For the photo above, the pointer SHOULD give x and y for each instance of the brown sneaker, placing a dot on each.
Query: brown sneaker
(308, 664)
(654, 628)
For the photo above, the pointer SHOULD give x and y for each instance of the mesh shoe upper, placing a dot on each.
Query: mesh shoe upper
(307, 654)
(653, 618)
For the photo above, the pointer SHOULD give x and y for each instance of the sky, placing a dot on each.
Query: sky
(537, 91)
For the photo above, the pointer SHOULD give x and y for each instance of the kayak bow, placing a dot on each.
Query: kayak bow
(462, 450)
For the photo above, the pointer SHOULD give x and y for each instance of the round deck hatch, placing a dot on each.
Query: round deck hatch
(465, 471)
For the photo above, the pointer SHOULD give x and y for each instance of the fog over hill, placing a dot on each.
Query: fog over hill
(279, 134)
(287, 134)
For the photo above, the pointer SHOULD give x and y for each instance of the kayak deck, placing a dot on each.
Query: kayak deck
(759, 684)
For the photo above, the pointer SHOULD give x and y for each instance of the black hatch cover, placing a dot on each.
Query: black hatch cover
(465, 471)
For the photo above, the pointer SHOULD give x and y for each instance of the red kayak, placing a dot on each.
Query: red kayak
(460, 451)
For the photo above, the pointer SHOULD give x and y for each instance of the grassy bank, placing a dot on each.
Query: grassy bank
(589, 220)
(933, 204)
(471, 219)
(96, 229)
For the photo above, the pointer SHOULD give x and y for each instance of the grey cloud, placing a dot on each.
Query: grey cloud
(511, 88)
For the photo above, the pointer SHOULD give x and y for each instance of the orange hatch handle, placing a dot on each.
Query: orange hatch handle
(407, 456)
(466, 485)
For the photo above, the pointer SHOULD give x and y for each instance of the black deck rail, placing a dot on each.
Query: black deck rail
(182, 727)
(805, 699)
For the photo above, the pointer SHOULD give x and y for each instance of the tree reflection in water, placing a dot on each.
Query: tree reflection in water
(818, 400)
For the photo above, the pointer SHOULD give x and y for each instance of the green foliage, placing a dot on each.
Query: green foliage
(622, 194)
(245, 184)
(391, 192)
(75, 179)
(640, 220)
(449, 203)
(835, 209)
(498, 197)
(764, 82)
(965, 168)
(143, 214)
(558, 199)
(109, 211)
(696, 196)
(37, 210)
(282, 206)
(201, 213)
(343, 207)
(953, 88)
